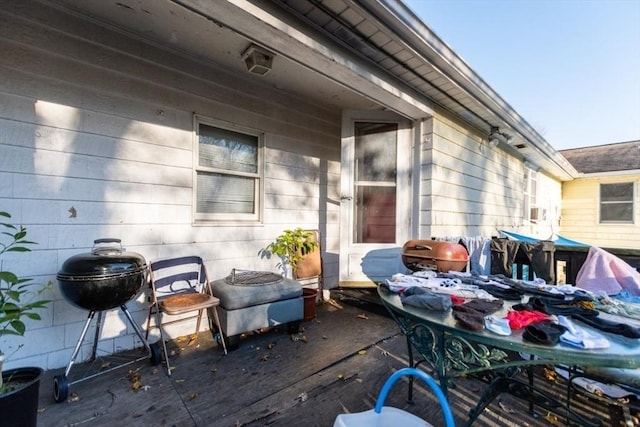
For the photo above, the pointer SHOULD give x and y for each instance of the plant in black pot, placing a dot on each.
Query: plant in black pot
(20, 301)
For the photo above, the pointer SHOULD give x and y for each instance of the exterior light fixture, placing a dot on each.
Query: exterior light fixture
(258, 60)
(495, 137)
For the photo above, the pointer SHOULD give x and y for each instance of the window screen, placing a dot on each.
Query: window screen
(616, 203)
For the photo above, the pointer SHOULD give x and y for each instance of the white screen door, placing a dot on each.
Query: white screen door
(375, 203)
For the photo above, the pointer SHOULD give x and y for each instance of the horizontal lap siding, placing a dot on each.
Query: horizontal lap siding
(581, 210)
(99, 124)
(471, 189)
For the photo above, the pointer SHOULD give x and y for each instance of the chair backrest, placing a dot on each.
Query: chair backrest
(310, 267)
(171, 276)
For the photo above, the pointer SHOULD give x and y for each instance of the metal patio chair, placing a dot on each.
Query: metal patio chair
(180, 286)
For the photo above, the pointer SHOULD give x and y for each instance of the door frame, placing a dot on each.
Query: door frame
(388, 256)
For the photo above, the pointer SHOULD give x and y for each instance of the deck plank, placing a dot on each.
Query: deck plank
(347, 354)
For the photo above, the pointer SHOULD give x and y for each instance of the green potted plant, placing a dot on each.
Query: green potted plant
(293, 247)
(20, 299)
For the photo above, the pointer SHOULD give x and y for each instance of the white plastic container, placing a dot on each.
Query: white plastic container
(385, 416)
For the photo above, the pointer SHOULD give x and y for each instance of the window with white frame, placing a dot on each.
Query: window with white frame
(532, 212)
(228, 173)
(616, 203)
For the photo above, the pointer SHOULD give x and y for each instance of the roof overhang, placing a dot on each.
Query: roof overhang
(342, 54)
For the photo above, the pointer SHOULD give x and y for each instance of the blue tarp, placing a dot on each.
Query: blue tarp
(555, 238)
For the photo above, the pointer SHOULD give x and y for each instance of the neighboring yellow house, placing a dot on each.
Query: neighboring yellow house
(601, 206)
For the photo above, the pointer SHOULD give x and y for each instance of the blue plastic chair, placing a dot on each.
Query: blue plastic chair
(393, 417)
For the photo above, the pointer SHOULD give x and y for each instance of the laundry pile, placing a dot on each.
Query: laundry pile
(547, 314)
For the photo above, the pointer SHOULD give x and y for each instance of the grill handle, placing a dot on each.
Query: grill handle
(107, 249)
(429, 248)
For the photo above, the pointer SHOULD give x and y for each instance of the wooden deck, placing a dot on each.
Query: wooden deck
(338, 363)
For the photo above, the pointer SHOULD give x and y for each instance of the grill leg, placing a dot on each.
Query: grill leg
(77, 348)
(96, 337)
(135, 326)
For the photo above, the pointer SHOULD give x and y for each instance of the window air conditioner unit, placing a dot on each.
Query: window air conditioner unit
(537, 214)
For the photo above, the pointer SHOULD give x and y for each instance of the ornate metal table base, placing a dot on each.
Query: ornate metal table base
(531, 394)
(452, 352)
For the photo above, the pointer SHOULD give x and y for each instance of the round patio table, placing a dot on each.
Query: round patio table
(451, 351)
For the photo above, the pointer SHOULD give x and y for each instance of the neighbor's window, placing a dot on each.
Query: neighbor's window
(227, 174)
(616, 202)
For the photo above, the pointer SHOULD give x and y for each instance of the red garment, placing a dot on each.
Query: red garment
(522, 319)
(457, 300)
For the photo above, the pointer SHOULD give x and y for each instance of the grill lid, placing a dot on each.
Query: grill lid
(107, 260)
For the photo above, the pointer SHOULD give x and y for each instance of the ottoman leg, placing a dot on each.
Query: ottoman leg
(293, 327)
(233, 342)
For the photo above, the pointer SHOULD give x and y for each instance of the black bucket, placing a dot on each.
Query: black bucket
(20, 407)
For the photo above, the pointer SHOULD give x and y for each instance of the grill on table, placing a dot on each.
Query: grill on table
(435, 255)
(103, 279)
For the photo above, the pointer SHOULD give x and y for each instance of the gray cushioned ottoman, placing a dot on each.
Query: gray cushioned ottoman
(248, 307)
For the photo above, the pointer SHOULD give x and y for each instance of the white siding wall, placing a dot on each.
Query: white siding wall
(581, 211)
(471, 189)
(98, 122)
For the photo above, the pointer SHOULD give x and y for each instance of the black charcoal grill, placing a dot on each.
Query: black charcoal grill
(103, 279)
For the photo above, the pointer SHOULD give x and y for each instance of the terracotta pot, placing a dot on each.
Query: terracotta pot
(309, 296)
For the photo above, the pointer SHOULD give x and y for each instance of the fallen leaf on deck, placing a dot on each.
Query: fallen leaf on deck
(362, 316)
(549, 373)
(193, 395)
(271, 345)
(302, 397)
(214, 370)
(505, 408)
(303, 338)
(334, 303)
(340, 377)
(179, 381)
(74, 398)
(362, 352)
(264, 358)
(136, 379)
(552, 419)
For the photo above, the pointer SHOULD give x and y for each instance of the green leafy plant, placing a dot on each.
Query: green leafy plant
(292, 246)
(20, 298)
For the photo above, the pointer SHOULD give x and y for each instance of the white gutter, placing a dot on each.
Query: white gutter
(411, 29)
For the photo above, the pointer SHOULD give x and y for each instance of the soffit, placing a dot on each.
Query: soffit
(340, 54)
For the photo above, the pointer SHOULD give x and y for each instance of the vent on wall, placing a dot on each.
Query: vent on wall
(537, 215)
